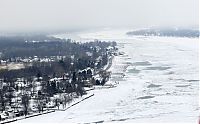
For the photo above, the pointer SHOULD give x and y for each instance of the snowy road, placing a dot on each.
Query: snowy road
(160, 85)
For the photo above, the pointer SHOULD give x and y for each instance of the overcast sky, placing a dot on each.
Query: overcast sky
(22, 15)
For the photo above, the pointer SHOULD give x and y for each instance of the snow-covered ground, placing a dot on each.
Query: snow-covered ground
(160, 84)
(12, 66)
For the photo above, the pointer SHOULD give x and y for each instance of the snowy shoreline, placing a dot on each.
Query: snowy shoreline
(158, 83)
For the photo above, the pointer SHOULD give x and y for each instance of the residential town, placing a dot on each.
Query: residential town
(33, 83)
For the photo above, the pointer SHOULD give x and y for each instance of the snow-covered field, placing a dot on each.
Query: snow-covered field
(12, 66)
(160, 84)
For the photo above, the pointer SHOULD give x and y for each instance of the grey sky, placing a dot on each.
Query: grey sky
(74, 14)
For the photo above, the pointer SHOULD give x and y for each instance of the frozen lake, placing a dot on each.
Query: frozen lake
(160, 84)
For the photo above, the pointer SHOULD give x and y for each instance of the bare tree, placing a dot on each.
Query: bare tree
(25, 103)
(2, 100)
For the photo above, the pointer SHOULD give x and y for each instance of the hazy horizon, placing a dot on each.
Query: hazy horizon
(73, 15)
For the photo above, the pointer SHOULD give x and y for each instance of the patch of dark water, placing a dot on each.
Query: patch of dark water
(170, 72)
(146, 97)
(98, 122)
(153, 86)
(160, 68)
(127, 58)
(117, 73)
(192, 80)
(127, 63)
(123, 119)
(155, 101)
(183, 85)
(135, 71)
(185, 80)
(144, 63)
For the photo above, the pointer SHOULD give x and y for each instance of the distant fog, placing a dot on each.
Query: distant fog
(58, 15)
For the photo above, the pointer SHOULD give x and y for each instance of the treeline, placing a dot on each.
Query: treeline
(170, 32)
(12, 47)
(72, 56)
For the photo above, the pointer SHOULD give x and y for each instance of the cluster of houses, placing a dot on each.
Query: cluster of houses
(25, 96)
(31, 59)
(12, 103)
